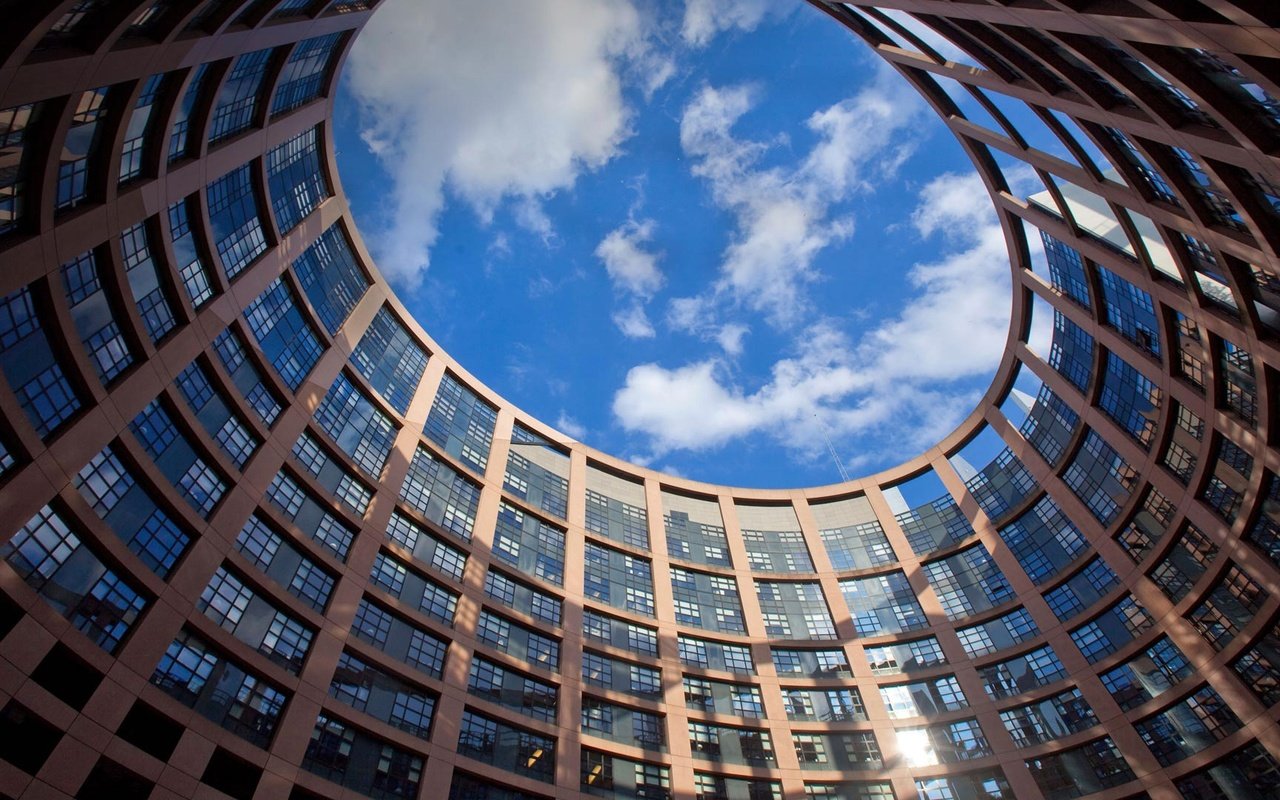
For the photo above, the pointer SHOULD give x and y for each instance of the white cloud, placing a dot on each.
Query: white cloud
(568, 425)
(634, 271)
(500, 247)
(507, 99)
(898, 388)
(531, 216)
(633, 322)
(730, 337)
(698, 316)
(703, 19)
(690, 314)
(783, 215)
(631, 268)
(686, 408)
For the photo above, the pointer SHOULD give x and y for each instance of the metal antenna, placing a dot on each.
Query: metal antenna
(844, 475)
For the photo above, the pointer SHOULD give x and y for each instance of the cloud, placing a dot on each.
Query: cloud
(899, 388)
(634, 323)
(568, 425)
(631, 268)
(634, 272)
(704, 19)
(699, 316)
(489, 102)
(783, 215)
(730, 337)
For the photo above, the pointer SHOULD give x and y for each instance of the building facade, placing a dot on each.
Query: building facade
(260, 537)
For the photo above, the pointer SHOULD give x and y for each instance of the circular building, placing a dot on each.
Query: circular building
(260, 537)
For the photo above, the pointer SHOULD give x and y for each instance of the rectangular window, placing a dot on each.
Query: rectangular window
(283, 333)
(79, 150)
(187, 254)
(228, 602)
(968, 582)
(221, 690)
(32, 367)
(356, 425)
(140, 130)
(180, 139)
(235, 222)
(295, 179)
(883, 604)
(304, 74)
(439, 493)
(236, 108)
(131, 512)
(177, 458)
(245, 376)
(67, 575)
(531, 545)
(1130, 399)
(95, 318)
(15, 127)
(310, 515)
(330, 278)
(390, 359)
(461, 423)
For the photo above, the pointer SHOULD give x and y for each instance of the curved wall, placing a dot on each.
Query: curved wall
(263, 538)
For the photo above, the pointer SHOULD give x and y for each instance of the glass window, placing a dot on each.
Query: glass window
(1050, 425)
(32, 367)
(330, 277)
(794, 610)
(177, 458)
(462, 424)
(1100, 478)
(777, 551)
(235, 223)
(356, 425)
(283, 333)
(140, 130)
(15, 126)
(296, 179)
(857, 546)
(614, 518)
(1130, 399)
(390, 359)
(529, 544)
(1066, 269)
(695, 540)
(1072, 351)
(304, 74)
(66, 573)
(180, 139)
(537, 472)
(882, 604)
(968, 582)
(439, 493)
(197, 676)
(1081, 770)
(131, 512)
(236, 108)
(95, 318)
(189, 261)
(78, 155)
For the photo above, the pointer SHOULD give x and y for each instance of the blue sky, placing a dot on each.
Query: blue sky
(700, 241)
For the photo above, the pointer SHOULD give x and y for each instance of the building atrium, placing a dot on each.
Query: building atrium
(262, 538)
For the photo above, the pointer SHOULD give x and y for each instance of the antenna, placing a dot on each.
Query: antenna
(844, 475)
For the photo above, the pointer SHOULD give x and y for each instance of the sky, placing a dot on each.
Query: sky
(705, 237)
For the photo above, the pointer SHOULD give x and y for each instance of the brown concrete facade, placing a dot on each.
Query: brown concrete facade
(1165, 176)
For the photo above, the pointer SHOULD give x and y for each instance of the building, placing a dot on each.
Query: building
(261, 538)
